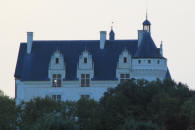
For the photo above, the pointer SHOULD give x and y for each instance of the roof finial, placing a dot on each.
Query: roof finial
(146, 14)
(112, 25)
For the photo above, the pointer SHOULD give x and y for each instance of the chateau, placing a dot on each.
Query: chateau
(70, 69)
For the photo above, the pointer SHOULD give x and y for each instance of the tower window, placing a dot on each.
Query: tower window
(149, 61)
(57, 60)
(124, 77)
(85, 60)
(125, 60)
(56, 81)
(85, 80)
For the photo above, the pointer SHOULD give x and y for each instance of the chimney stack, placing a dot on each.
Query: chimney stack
(161, 48)
(29, 41)
(102, 39)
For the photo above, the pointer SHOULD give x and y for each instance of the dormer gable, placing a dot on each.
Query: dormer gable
(85, 60)
(124, 60)
(57, 65)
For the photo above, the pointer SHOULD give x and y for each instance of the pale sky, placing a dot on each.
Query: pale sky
(173, 21)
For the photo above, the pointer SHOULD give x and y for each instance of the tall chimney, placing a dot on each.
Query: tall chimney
(161, 48)
(29, 41)
(102, 39)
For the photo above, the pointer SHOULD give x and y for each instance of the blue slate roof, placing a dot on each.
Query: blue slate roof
(146, 22)
(168, 75)
(34, 66)
(148, 48)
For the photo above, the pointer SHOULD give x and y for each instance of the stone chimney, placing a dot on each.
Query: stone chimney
(102, 39)
(29, 41)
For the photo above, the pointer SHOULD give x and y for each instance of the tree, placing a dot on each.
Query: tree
(88, 113)
(143, 101)
(54, 121)
(36, 109)
(7, 113)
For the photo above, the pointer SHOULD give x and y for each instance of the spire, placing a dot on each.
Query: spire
(146, 14)
(112, 34)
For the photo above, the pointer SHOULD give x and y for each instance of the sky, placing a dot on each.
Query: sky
(173, 22)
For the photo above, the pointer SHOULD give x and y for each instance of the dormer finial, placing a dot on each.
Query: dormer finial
(112, 34)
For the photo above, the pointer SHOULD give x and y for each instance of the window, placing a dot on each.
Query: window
(56, 97)
(139, 61)
(85, 96)
(85, 80)
(125, 60)
(158, 62)
(85, 60)
(57, 60)
(56, 81)
(124, 77)
(149, 61)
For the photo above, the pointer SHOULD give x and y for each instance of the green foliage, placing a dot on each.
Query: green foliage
(7, 113)
(157, 101)
(88, 113)
(54, 121)
(132, 105)
(36, 109)
(131, 124)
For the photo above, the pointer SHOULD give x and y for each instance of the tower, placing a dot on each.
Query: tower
(147, 24)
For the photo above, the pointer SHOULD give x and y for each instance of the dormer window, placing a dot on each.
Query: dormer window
(85, 80)
(56, 81)
(85, 60)
(57, 60)
(125, 60)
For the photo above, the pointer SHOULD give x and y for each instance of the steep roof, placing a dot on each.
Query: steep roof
(146, 22)
(148, 48)
(34, 66)
(168, 75)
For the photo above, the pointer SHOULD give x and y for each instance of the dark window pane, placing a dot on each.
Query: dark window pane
(85, 96)
(158, 61)
(125, 59)
(59, 83)
(149, 61)
(82, 76)
(139, 61)
(87, 82)
(85, 60)
(122, 76)
(87, 76)
(59, 76)
(54, 97)
(54, 75)
(127, 76)
(82, 82)
(57, 60)
(58, 97)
